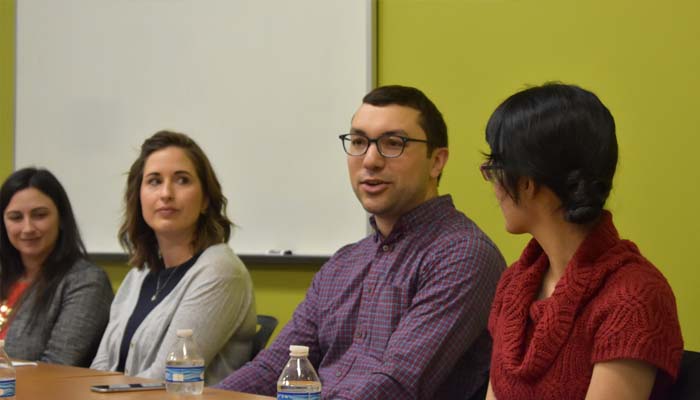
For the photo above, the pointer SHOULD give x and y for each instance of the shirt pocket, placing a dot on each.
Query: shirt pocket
(389, 305)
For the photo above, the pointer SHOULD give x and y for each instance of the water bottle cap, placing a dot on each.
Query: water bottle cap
(298, 351)
(184, 333)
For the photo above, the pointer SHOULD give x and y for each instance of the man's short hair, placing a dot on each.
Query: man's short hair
(430, 118)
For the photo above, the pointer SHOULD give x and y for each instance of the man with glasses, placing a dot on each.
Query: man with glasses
(402, 313)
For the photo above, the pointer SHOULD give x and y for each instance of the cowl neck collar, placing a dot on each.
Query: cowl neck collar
(536, 330)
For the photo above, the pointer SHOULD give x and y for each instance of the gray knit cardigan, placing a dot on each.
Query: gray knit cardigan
(214, 298)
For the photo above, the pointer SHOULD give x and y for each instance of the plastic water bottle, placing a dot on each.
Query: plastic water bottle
(298, 379)
(184, 366)
(7, 375)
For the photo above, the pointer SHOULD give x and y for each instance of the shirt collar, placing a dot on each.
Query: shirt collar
(425, 213)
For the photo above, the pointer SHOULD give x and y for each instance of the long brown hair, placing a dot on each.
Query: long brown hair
(67, 251)
(213, 226)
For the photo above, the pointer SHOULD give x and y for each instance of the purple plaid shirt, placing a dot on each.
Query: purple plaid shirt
(402, 317)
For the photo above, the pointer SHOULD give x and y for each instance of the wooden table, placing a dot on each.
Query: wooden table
(50, 381)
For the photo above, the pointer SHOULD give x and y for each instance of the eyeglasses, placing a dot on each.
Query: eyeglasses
(389, 145)
(488, 171)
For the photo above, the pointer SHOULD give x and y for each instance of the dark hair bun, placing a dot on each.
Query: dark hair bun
(584, 199)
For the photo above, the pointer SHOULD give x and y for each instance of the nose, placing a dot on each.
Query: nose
(166, 191)
(27, 225)
(372, 159)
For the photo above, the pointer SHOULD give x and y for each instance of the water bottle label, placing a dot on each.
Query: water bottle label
(7, 388)
(298, 396)
(184, 374)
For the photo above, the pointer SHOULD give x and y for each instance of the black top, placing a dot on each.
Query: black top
(164, 281)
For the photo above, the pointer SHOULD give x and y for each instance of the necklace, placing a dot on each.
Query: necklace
(158, 287)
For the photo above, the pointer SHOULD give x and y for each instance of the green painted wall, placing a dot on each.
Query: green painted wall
(468, 55)
(641, 57)
(7, 67)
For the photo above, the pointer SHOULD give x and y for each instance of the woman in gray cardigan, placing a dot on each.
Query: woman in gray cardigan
(186, 276)
(54, 303)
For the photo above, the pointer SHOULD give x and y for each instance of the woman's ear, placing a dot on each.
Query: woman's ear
(527, 188)
(540, 195)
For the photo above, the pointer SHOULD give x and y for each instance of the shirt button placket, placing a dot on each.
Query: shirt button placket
(359, 335)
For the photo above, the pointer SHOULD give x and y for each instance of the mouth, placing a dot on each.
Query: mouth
(374, 186)
(166, 211)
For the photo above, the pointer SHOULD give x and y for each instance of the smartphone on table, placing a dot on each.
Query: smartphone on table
(127, 387)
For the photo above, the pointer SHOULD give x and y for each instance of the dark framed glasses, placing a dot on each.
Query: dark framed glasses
(488, 171)
(389, 145)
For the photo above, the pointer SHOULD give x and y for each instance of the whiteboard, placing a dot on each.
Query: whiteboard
(264, 87)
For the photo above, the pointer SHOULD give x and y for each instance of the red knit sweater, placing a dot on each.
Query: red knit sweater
(610, 304)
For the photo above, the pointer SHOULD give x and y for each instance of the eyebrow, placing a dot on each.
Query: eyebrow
(396, 132)
(40, 208)
(178, 172)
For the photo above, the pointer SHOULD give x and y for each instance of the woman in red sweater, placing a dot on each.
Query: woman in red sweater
(581, 314)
